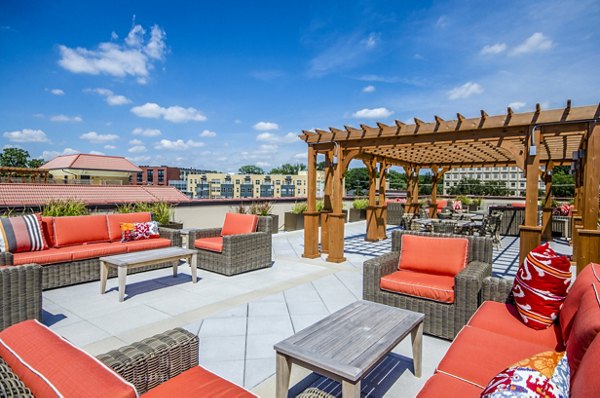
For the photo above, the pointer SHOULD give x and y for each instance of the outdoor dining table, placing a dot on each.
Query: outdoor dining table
(464, 225)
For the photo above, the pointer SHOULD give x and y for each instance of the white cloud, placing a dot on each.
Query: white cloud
(368, 89)
(110, 147)
(178, 145)
(111, 98)
(97, 153)
(134, 57)
(344, 53)
(139, 159)
(442, 22)
(371, 41)
(374, 113)
(208, 133)
(96, 138)
(57, 91)
(66, 119)
(175, 114)
(263, 164)
(137, 149)
(301, 155)
(274, 138)
(47, 155)
(465, 91)
(136, 142)
(26, 135)
(493, 48)
(517, 105)
(266, 126)
(146, 132)
(537, 42)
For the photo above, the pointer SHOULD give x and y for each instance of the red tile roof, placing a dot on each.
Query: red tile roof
(17, 195)
(84, 161)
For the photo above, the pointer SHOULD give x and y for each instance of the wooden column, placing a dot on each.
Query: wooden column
(408, 172)
(589, 235)
(336, 218)
(415, 190)
(372, 234)
(381, 215)
(434, 181)
(530, 232)
(311, 216)
(327, 208)
(547, 203)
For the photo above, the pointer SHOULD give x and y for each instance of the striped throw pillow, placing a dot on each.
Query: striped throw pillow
(22, 234)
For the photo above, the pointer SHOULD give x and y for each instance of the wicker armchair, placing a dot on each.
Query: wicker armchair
(441, 319)
(20, 294)
(240, 253)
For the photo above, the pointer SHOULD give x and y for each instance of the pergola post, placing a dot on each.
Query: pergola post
(547, 203)
(530, 232)
(381, 215)
(327, 208)
(414, 206)
(336, 218)
(372, 234)
(589, 236)
(311, 216)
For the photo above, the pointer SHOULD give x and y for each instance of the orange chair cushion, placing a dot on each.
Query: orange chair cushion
(417, 284)
(52, 367)
(477, 355)
(76, 230)
(517, 204)
(212, 244)
(588, 276)
(236, 224)
(115, 221)
(441, 385)
(48, 256)
(440, 256)
(586, 383)
(144, 244)
(48, 230)
(586, 327)
(83, 252)
(504, 319)
(197, 382)
(441, 204)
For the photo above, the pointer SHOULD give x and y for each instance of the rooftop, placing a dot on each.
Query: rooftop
(84, 161)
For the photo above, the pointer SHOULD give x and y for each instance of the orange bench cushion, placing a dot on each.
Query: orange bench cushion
(589, 276)
(212, 244)
(80, 229)
(441, 256)
(586, 383)
(115, 221)
(52, 367)
(48, 256)
(504, 319)
(144, 244)
(236, 224)
(417, 284)
(441, 385)
(198, 382)
(586, 327)
(83, 252)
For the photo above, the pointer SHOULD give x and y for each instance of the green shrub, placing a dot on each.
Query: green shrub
(126, 208)
(299, 207)
(320, 205)
(161, 211)
(360, 204)
(465, 200)
(261, 208)
(70, 207)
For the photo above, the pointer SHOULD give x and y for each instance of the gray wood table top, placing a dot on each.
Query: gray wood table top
(352, 340)
(146, 255)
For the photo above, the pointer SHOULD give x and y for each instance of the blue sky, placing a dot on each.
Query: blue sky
(221, 84)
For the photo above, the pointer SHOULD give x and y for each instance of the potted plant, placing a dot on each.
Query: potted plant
(265, 209)
(358, 211)
(475, 204)
(294, 219)
(60, 208)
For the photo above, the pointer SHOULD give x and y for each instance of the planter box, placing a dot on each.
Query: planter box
(357, 215)
(274, 223)
(173, 225)
(293, 222)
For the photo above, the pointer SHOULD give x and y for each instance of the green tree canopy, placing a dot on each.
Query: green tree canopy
(397, 180)
(357, 180)
(563, 183)
(288, 168)
(473, 186)
(14, 157)
(251, 169)
(35, 163)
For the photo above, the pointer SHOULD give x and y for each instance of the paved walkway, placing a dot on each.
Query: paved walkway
(240, 318)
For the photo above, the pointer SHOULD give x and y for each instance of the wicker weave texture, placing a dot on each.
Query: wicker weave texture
(395, 211)
(497, 289)
(10, 384)
(314, 392)
(20, 294)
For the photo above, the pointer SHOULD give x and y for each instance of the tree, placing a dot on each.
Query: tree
(288, 168)
(14, 157)
(35, 163)
(357, 179)
(251, 169)
(321, 165)
(563, 183)
(473, 186)
(397, 180)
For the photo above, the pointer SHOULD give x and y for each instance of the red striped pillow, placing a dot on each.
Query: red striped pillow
(22, 234)
(540, 286)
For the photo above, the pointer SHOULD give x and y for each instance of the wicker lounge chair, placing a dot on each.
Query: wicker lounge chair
(443, 319)
(20, 294)
(231, 254)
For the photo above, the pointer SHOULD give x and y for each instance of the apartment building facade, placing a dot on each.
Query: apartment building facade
(513, 177)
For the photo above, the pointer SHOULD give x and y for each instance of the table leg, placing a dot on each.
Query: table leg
(175, 265)
(284, 368)
(350, 390)
(122, 272)
(416, 336)
(103, 276)
(194, 267)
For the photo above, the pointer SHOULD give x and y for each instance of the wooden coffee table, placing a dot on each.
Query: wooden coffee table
(347, 344)
(124, 262)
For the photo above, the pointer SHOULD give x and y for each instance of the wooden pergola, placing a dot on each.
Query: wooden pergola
(533, 141)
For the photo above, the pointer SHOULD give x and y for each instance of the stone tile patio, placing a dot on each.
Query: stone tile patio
(240, 318)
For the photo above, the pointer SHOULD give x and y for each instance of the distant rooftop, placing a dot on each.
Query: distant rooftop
(84, 161)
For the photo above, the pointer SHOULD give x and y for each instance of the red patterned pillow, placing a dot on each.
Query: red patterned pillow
(540, 286)
(22, 234)
(139, 230)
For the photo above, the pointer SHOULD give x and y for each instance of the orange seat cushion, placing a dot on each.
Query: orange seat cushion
(477, 355)
(586, 383)
(441, 256)
(504, 319)
(198, 382)
(588, 276)
(115, 221)
(144, 244)
(212, 244)
(52, 367)
(417, 284)
(48, 256)
(96, 250)
(76, 230)
(441, 385)
(586, 327)
(236, 224)
(441, 204)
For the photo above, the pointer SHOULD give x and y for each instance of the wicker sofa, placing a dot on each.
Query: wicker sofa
(442, 319)
(165, 365)
(495, 338)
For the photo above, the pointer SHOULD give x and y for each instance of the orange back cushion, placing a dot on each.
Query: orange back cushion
(442, 204)
(76, 230)
(115, 221)
(48, 230)
(589, 276)
(236, 224)
(586, 383)
(52, 367)
(440, 256)
(586, 327)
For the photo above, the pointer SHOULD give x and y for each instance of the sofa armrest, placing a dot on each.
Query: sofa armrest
(467, 285)
(154, 360)
(194, 234)
(376, 268)
(174, 235)
(20, 294)
(497, 289)
(244, 242)
(6, 258)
